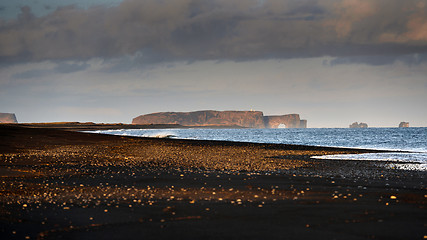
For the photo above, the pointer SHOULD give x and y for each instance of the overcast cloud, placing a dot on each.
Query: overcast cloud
(333, 62)
(219, 29)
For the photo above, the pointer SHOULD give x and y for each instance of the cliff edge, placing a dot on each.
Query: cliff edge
(8, 118)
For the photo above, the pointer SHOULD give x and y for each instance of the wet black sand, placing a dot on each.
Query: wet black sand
(68, 185)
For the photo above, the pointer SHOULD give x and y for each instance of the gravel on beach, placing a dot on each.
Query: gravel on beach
(71, 185)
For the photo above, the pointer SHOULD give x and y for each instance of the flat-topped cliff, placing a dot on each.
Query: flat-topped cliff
(251, 119)
(8, 118)
(248, 119)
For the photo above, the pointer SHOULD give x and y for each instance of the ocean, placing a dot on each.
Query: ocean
(410, 144)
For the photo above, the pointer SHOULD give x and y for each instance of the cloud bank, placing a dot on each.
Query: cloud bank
(218, 30)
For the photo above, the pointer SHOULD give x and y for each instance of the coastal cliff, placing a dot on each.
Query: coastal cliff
(248, 119)
(8, 118)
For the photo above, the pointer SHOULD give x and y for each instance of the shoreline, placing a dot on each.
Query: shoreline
(65, 184)
(362, 149)
(90, 126)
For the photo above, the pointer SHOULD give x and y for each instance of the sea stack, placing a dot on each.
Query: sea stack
(358, 125)
(8, 118)
(404, 124)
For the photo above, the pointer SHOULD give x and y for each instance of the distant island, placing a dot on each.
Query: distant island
(207, 118)
(404, 125)
(358, 125)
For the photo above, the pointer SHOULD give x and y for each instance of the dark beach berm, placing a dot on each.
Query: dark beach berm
(58, 184)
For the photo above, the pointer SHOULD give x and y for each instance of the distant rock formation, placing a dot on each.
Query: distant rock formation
(8, 118)
(290, 121)
(404, 124)
(358, 125)
(248, 119)
(303, 123)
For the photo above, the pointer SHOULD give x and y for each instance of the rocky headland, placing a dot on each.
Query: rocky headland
(248, 119)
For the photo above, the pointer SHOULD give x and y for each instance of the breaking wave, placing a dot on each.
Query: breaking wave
(138, 133)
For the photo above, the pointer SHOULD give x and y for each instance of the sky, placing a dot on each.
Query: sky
(334, 62)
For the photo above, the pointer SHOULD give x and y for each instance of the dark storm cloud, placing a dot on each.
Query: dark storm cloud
(219, 29)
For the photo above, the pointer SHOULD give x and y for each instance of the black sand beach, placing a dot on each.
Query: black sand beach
(58, 184)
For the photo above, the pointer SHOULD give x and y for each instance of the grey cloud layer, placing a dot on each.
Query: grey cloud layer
(219, 29)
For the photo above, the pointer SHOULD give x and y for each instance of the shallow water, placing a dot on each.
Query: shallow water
(412, 140)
